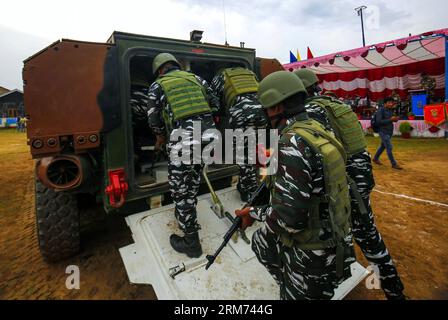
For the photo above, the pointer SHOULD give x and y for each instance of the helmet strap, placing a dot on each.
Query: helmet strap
(317, 89)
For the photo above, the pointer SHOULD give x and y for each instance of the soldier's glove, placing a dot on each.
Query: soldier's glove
(160, 141)
(247, 220)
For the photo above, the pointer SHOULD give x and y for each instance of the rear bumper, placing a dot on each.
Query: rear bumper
(162, 188)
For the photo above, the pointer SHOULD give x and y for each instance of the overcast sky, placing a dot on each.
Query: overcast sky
(273, 27)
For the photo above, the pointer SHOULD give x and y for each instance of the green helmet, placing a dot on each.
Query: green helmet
(161, 59)
(277, 87)
(307, 76)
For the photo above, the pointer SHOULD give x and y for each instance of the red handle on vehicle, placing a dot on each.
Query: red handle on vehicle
(117, 189)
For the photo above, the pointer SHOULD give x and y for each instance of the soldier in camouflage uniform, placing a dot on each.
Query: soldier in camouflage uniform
(139, 108)
(177, 100)
(359, 169)
(300, 244)
(236, 89)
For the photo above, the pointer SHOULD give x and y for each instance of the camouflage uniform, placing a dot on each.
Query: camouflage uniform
(139, 108)
(184, 179)
(359, 169)
(246, 112)
(301, 274)
(139, 104)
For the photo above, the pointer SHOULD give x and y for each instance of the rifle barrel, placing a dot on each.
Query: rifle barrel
(235, 226)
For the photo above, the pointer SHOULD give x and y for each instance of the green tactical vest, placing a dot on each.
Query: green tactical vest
(336, 189)
(345, 123)
(238, 81)
(184, 94)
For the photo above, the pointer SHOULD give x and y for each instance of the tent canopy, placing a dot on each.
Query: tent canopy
(379, 69)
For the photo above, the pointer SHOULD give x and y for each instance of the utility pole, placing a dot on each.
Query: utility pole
(359, 10)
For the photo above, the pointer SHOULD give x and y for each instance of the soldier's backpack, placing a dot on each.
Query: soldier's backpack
(184, 94)
(336, 192)
(344, 121)
(238, 81)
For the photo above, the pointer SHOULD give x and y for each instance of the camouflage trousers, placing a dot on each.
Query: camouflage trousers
(300, 274)
(365, 232)
(184, 181)
(246, 114)
(248, 179)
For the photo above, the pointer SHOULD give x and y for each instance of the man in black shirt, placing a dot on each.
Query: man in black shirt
(385, 119)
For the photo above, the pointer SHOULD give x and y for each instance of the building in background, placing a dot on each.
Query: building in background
(11, 104)
(3, 90)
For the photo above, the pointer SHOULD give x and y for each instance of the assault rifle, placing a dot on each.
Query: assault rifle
(258, 195)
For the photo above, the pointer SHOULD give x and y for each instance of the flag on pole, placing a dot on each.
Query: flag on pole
(309, 54)
(298, 56)
(292, 57)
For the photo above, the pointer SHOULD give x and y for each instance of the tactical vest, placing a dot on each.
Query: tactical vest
(238, 81)
(184, 94)
(337, 195)
(345, 123)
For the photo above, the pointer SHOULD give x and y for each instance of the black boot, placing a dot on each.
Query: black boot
(188, 244)
(393, 288)
(399, 296)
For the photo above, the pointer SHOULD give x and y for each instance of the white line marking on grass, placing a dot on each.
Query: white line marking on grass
(412, 198)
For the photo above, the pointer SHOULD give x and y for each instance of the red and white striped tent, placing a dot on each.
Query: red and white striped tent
(378, 70)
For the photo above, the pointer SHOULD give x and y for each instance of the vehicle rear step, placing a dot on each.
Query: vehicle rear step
(236, 274)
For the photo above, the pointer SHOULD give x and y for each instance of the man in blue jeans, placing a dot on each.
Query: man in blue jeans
(385, 119)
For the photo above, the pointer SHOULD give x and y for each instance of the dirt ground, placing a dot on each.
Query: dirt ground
(415, 232)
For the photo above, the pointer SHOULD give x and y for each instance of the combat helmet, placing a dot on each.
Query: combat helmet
(161, 59)
(307, 76)
(279, 86)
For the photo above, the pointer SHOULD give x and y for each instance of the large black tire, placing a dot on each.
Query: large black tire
(58, 226)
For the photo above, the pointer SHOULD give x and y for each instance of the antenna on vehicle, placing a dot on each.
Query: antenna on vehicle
(225, 25)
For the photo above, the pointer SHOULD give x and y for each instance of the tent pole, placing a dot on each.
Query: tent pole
(446, 77)
(446, 68)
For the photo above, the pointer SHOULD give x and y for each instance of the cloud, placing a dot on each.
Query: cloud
(16, 47)
(271, 27)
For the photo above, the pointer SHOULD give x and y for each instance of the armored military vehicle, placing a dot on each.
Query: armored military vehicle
(87, 130)
(87, 126)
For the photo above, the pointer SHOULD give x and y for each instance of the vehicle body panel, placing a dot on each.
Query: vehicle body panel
(61, 86)
(74, 90)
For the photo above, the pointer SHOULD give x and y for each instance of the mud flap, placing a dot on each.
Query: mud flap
(236, 274)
